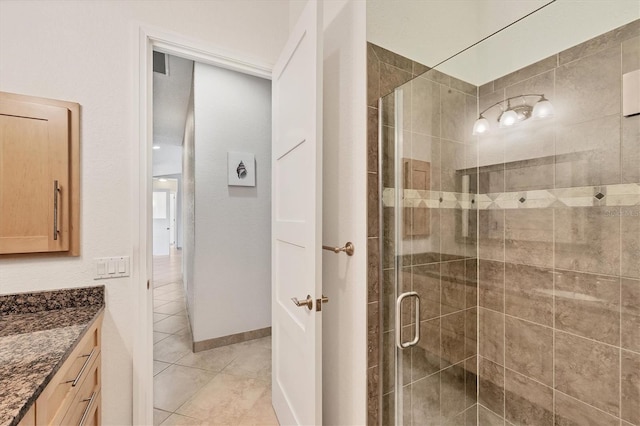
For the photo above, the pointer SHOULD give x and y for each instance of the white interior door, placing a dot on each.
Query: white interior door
(297, 223)
(172, 218)
(161, 224)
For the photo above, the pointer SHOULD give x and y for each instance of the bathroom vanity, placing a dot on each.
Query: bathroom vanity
(50, 357)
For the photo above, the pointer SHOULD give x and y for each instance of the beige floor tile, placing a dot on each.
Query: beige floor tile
(226, 399)
(179, 420)
(261, 413)
(170, 296)
(255, 363)
(213, 360)
(158, 302)
(171, 349)
(159, 317)
(159, 366)
(159, 416)
(177, 384)
(171, 308)
(166, 289)
(171, 324)
(158, 336)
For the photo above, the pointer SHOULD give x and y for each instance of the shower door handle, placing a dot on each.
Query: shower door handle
(416, 338)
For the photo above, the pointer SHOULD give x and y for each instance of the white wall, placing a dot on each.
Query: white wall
(232, 276)
(84, 52)
(167, 160)
(344, 214)
(189, 207)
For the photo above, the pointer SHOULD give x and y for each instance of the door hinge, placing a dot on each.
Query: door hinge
(147, 284)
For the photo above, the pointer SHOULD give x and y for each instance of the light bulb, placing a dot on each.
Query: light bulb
(508, 118)
(480, 126)
(156, 147)
(542, 109)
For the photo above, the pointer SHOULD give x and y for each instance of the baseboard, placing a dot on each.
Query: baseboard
(217, 342)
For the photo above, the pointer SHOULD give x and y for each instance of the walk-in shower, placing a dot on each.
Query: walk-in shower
(507, 262)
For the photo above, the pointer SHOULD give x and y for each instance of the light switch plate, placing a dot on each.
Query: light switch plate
(112, 267)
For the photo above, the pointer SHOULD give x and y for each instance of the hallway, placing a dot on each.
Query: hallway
(230, 385)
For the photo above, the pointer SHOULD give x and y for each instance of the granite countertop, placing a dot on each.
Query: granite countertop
(38, 331)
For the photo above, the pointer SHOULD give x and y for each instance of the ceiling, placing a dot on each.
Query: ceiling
(430, 31)
(170, 104)
(170, 101)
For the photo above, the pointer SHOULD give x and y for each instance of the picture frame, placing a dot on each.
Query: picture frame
(241, 169)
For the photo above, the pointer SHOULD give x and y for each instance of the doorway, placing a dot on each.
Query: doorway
(209, 364)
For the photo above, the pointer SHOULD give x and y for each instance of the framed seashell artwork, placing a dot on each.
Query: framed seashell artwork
(241, 169)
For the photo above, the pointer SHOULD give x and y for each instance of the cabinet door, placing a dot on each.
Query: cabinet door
(34, 177)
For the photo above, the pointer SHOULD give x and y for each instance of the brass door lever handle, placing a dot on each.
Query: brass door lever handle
(348, 248)
(308, 302)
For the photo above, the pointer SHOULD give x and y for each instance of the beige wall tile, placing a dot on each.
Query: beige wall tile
(631, 149)
(426, 282)
(491, 285)
(452, 335)
(529, 236)
(588, 88)
(588, 370)
(587, 239)
(630, 315)
(529, 349)
(453, 286)
(529, 293)
(425, 107)
(630, 409)
(588, 153)
(588, 305)
(425, 356)
(630, 240)
(491, 386)
(571, 412)
(527, 402)
(425, 409)
(491, 335)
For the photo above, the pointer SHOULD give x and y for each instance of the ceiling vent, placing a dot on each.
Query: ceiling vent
(160, 63)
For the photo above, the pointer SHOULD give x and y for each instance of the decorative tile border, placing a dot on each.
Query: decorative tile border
(621, 195)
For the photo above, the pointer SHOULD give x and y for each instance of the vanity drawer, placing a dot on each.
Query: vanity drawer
(61, 395)
(87, 398)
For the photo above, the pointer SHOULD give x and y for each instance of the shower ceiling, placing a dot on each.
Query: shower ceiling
(422, 31)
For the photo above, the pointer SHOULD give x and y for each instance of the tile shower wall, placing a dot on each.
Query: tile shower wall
(438, 260)
(385, 71)
(559, 269)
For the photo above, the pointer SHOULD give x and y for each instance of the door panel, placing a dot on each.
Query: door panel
(34, 154)
(297, 223)
(161, 224)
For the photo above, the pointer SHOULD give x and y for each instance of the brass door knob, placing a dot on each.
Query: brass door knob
(308, 302)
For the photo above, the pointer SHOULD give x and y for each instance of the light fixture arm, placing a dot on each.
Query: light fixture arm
(501, 103)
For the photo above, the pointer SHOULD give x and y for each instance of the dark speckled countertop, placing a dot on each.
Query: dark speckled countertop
(38, 331)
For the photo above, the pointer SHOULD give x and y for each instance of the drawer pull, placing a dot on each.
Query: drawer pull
(87, 409)
(75, 381)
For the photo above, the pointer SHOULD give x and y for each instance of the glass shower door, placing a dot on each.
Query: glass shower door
(429, 255)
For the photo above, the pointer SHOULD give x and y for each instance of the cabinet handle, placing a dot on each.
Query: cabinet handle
(56, 191)
(87, 409)
(75, 381)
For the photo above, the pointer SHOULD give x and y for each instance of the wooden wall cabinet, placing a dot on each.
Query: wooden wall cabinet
(39, 175)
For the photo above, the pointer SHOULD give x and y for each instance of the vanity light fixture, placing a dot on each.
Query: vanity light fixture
(514, 114)
(156, 147)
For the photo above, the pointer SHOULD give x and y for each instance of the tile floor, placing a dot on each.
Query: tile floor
(230, 385)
